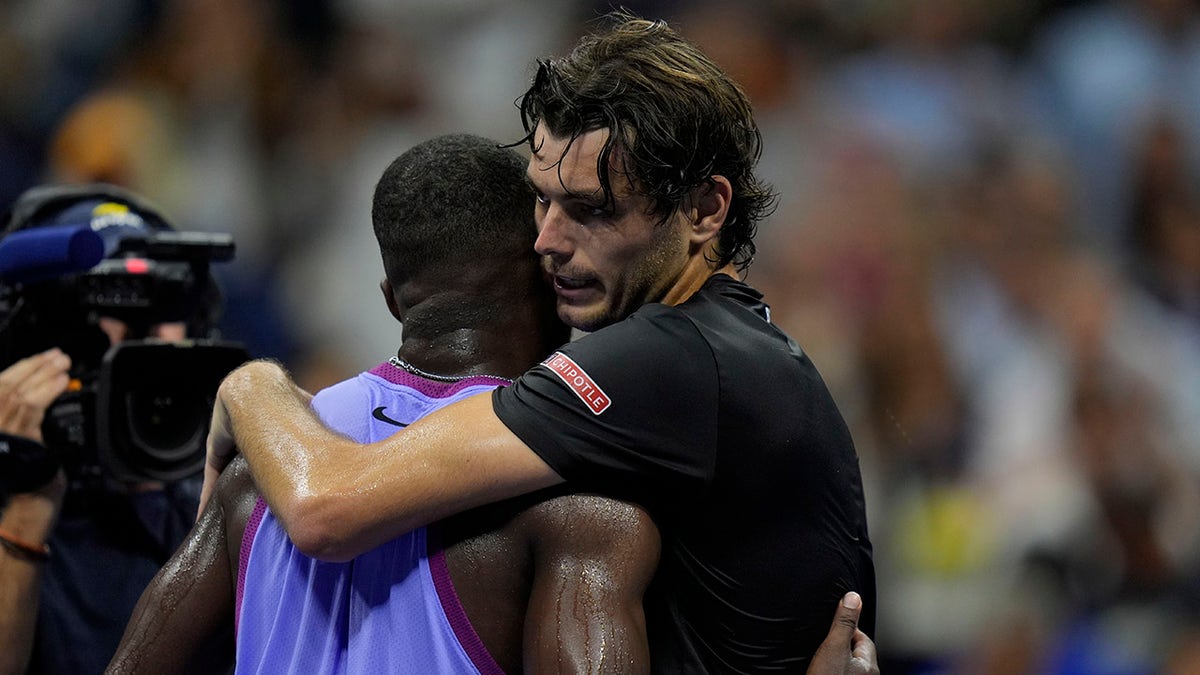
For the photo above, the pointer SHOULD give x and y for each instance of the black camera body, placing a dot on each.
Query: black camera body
(143, 414)
(137, 410)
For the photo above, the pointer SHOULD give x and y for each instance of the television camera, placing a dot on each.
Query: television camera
(137, 409)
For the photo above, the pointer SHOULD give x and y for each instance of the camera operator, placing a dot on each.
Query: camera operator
(105, 390)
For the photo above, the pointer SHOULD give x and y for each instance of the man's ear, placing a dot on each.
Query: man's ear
(709, 207)
(390, 298)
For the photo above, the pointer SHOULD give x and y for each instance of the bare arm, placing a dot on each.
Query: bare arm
(593, 559)
(185, 617)
(27, 388)
(28, 517)
(337, 498)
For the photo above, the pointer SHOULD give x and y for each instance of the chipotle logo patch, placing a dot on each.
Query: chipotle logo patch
(579, 381)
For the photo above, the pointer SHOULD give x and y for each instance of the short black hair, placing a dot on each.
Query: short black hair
(454, 199)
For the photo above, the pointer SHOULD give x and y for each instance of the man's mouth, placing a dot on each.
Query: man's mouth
(575, 289)
(570, 283)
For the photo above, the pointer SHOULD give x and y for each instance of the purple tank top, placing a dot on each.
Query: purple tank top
(392, 609)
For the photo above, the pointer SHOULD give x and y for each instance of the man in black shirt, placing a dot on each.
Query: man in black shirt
(683, 398)
(547, 583)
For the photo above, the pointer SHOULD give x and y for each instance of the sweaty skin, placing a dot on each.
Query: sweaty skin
(337, 498)
(552, 587)
(584, 598)
(461, 456)
(319, 483)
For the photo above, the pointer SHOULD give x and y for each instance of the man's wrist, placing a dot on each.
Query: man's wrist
(22, 548)
(30, 516)
(27, 464)
(251, 381)
(242, 393)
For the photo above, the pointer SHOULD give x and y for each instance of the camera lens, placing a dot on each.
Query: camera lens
(167, 420)
(154, 404)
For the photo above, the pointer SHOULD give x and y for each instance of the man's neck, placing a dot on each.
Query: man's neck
(464, 352)
(693, 279)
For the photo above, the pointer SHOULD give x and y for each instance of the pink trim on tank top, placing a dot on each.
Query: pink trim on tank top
(452, 606)
(256, 516)
(430, 388)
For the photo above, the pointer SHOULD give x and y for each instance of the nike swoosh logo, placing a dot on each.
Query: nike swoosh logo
(378, 414)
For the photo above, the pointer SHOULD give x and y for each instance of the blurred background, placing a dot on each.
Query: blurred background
(988, 239)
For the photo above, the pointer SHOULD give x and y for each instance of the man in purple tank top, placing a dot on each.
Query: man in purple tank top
(549, 581)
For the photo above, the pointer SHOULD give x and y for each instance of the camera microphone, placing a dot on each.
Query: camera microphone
(46, 252)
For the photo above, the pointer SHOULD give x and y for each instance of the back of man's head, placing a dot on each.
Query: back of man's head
(453, 201)
(454, 220)
(675, 119)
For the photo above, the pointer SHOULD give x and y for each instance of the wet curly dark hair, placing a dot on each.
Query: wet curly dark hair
(674, 117)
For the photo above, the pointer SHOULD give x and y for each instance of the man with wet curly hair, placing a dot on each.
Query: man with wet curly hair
(683, 397)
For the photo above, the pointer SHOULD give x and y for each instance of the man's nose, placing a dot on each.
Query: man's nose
(553, 233)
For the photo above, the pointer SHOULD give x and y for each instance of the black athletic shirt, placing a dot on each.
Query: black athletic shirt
(719, 425)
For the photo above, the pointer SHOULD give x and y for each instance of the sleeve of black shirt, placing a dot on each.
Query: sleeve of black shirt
(628, 411)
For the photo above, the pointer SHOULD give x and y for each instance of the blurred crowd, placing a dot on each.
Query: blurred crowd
(988, 239)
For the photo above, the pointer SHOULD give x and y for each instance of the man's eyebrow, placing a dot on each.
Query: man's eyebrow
(595, 197)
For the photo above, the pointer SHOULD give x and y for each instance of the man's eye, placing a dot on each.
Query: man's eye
(541, 198)
(592, 211)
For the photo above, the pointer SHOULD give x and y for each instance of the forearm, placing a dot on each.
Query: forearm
(28, 518)
(337, 498)
(19, 581)
(272, 426)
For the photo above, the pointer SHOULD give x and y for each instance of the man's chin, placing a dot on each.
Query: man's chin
(586, 319)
